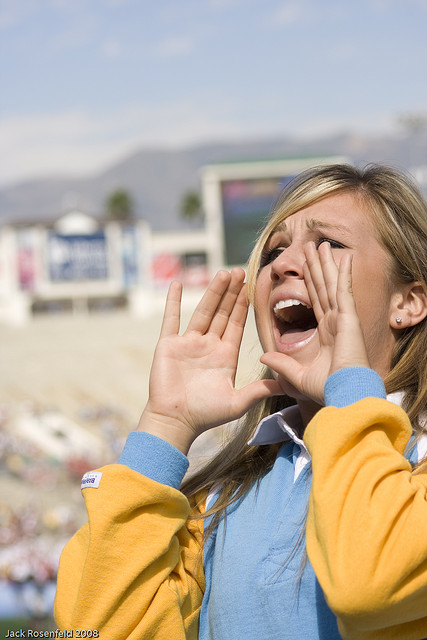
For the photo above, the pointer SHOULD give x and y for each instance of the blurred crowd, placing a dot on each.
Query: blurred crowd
(41, 505)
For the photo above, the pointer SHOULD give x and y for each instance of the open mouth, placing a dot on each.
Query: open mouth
(294, 321)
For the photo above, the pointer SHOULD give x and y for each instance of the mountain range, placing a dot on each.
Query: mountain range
(157, 179)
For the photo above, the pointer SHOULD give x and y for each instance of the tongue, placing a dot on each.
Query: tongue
(291, 335)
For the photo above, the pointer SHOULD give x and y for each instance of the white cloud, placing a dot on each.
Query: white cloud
(226, 4)
(375, 124)
(174, 46)
(420, 4)
(119, 3)
(289, 13)
(13, 13)
(111, 49)
(77, 142)
(33, 146)
(76, 33)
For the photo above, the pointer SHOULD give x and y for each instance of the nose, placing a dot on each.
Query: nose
(288, 264)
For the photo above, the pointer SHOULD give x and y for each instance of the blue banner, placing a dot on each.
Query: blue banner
(74, 258)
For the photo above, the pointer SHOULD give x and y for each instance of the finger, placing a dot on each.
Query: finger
(350, 344)
(330, 273)
(315, 281)
(295, 378)
(285, 366)
(202, 317)
(345, 297)
(236, 323)
(172, 313)
(312, 293)
(228, 302)
(254, 392)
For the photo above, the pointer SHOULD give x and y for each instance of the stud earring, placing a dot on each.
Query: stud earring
(398, 319)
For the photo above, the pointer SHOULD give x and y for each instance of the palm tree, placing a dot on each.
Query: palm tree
(191, 206)
(119, 205)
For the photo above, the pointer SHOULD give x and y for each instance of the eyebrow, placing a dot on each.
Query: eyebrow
(312, 224)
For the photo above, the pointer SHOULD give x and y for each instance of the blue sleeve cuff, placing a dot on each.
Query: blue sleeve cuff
(347, 386)
(154, 458)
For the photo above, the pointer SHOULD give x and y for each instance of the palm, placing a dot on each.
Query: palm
(340, 334)
(190, 373)
(193, 375)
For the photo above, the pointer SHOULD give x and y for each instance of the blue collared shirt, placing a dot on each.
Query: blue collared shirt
(259, 583)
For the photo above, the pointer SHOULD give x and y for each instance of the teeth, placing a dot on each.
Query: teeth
(283, 304)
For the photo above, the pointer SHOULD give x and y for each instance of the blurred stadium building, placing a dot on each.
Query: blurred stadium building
(79, 264)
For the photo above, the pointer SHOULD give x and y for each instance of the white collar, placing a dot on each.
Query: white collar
(285, 424)
(279, 427)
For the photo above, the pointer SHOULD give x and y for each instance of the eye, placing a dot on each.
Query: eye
(334, 244)
(269, 255)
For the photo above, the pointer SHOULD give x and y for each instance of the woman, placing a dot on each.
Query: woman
(367, 532)
(237, 567)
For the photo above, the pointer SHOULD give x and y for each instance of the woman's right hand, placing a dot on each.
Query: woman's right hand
(192, 380)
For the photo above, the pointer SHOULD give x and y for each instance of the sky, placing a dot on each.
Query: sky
(84, 83)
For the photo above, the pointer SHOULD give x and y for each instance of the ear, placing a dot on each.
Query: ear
(409, 305)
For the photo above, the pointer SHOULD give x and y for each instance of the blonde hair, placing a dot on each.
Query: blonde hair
(400, 215)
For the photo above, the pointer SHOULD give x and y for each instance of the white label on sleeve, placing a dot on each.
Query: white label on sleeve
(91, 479)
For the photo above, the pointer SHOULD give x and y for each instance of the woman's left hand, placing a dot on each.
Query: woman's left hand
(340, 334)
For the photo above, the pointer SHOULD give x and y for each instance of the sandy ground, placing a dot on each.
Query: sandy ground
(73, 364)
(69, 362)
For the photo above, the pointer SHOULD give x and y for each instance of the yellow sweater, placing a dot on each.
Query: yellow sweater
(367, 521)
(135, 571)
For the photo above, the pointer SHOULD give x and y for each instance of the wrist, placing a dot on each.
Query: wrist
(348, 385)
(154, 458)
(173, 431)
